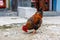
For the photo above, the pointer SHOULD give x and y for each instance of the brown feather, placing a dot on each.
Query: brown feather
(33, 20)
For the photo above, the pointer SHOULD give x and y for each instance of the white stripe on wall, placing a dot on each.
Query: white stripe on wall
(7, 4)
(50, 6)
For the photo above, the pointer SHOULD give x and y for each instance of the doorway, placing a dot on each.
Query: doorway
(44, 4)
(14, 5)
(2, 3)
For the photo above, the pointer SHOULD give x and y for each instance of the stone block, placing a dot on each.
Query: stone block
(26, 12)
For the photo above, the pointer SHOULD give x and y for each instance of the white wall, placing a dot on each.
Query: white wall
(50, 8)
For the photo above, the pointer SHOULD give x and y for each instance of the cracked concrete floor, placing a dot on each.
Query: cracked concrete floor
(45, 32)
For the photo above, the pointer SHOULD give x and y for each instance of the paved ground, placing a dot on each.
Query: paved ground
(10, 20)
(45, 32)
(51, 20)
(46, 20)
(50, 29)
(7, 13)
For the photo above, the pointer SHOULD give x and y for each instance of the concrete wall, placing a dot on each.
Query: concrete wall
(26, 12)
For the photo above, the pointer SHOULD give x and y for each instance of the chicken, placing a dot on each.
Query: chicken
(33, 22)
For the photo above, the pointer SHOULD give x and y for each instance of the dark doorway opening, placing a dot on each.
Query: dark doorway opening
(14, 5)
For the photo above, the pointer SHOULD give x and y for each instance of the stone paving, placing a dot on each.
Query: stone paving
(45, 32)
(50, 29)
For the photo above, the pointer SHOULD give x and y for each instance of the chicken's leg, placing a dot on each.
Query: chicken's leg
(34, 31)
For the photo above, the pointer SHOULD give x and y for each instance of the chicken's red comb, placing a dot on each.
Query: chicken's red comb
(24, 28)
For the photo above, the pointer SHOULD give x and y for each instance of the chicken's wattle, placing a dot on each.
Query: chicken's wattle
(24, 28)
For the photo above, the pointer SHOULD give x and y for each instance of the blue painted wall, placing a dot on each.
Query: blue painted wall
(58, 6)
(54, 5)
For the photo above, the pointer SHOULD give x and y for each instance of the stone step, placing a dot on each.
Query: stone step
(51, 13)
